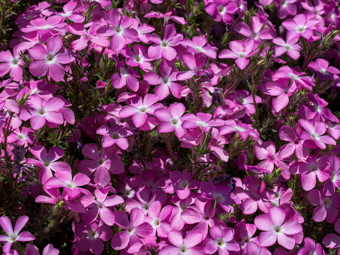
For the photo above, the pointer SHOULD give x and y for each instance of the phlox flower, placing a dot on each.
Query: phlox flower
(294, 144)
(166, 81)
(258, 30)
(12, 64)
(100, 206)
(48, 250)
(121, 30)
(180, 245)
(241, 51)
(92, 237)
(222, 10)
(159, 218)
(140, 109)
(125, 77)
(70, 12)
(136, 231)
(327, 205)
(50, 59)
(114, 135)
(170, 119)
(138, 57)
(278, 228)
(38, 111)
(14, 235)
(198, 44)
(324, 71)
(47, 161)
(222, 241)
(300, 25)
(165, 48)
(290, 46)
(71, 185)
(311, 247)
(314, 133)
(102, 164)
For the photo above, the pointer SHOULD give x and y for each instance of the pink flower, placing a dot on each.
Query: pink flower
(258, 30)
(301, 25)
(266, 153)
(326, 205)
(222, 10)
(101, 164)
(70, 12)
(170, 119)
(47, 161)
(222, 241)
(159, 218)
(289, 135)
(277, 227)
(282, 89)
(165, 48)
(11, 63)
(135, 231)
(114, 135)
(140, 108)
(166, 81)
(71, 186)
(125, 77)
(311, 247)
(91, 237)
(39, 111)
(121, 31)
(99, 205)
(290, 46)
(14, 235)
(241, 51)
(50, 59)
(182, 246)
(324, 71)
(285, 8)
(138, 57)
(198, 44)
(314, 133)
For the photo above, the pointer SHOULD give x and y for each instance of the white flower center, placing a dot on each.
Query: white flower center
(50, 58)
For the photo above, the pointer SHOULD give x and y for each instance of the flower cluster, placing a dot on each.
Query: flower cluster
(171, 127)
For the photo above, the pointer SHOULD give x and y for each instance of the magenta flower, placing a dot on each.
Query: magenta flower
(40, 110)
(301, 25)
(266, 153)
(282, 89)
(114, 135)
(222, 241)
(91, 237)
(222, 10)
(294, 144)
(199, 45)
(165, 48)
(125, 77)
(314, 133)
(159, 218)
(278, 228)
(311, 247)
(290, 46)
(134, 232)
(138, 57)
(14, 235)
(324, 71)
(70, 12)
(241, 51)
(12, 64)
(258, 30)
(326, 205)
(100, 205)
(285, 8)
(71, 186)
(166, 81)
(121, 31)
(47, 161)
(170, 119)
(183, 246)
(101, 164)
(140, 109)
(50, 59)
